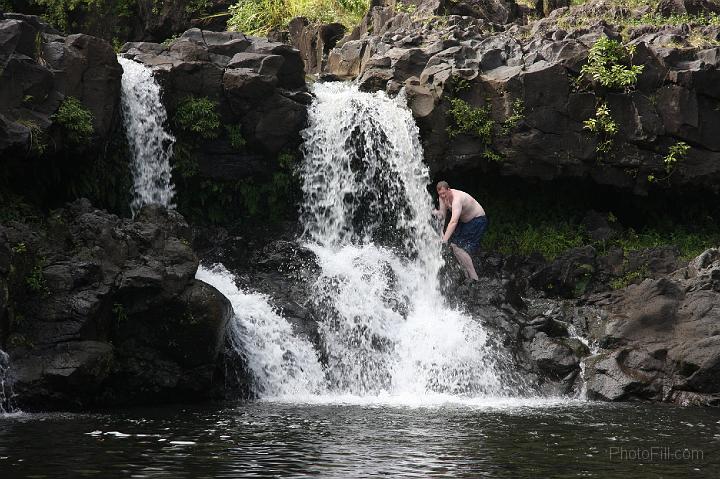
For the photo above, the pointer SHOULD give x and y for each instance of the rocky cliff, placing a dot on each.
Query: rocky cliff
(494, 90)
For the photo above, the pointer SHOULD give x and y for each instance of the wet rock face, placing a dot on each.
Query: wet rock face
(526, 78)
(102, 311)
(39, 68)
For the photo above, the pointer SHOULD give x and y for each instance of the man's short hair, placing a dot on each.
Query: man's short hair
(442, 184)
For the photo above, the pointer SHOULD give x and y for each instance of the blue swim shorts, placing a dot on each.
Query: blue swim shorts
(468, 235)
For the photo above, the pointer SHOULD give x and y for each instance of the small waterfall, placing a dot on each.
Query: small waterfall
(6, 391)
(592, 347)
(150, 144)
(282, 364)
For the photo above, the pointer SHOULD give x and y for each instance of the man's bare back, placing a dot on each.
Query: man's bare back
(468, 206)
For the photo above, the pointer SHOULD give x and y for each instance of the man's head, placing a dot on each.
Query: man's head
(443, 189)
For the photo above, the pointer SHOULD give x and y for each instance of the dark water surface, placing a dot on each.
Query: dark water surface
(294, 440)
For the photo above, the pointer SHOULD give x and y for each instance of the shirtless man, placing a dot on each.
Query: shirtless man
(467, 224)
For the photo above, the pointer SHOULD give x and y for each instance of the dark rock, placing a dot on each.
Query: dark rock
(569, 274)
(113, 314)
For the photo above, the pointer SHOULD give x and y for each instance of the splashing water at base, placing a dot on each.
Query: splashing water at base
(150, 144)
(281, 363)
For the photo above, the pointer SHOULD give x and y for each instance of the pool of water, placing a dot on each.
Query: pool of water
(344, 437)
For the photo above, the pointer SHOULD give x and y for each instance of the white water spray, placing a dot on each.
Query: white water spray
(150, 144)
(281, 363)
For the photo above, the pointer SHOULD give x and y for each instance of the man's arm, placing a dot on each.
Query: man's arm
(456, 210)
(440, 214)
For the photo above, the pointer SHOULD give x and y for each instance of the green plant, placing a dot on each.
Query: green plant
(169, 41)
(517, 115)
(35, 280)
(629, 278)
(38, 138)
(408, 8)
(610, 64)
(259, 17)
(195, 7)
(184, 162)
(237, 141)
(197, 115)
(76, 120)
(57, 12)
(459, 84)
(119, 312)
(676, 154)
(604, 126)
(19, 248)
(470, 120)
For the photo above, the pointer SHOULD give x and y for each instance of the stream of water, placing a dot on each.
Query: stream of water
(144, 118)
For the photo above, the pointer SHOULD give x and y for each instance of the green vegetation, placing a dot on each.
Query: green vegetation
(629, 278)
(604, 126)
(610, 64)
(64, 14)
(526, 219)
(35, 280)
(476, 121)
(258, 17)
(198, 115)
(76, 120)
(119, 313)
(237, 141)
(676, 153)
(470, 120)
(518, 115)
(38, 138)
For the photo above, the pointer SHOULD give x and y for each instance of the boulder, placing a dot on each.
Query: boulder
(107, 312)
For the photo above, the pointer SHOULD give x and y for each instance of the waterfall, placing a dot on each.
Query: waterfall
(281, 363)
(150, 144)
(6, 391)
(385, 329)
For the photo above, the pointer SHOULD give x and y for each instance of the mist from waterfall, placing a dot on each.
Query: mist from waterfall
(144, 117)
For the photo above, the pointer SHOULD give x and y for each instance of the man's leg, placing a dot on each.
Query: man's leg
(465, 261)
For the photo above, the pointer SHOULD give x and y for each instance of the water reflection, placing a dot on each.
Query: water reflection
(337, 440)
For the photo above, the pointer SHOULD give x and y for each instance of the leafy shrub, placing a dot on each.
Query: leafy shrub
(237, 141)
(676, 153)
(604, 125)
(470, 120)
(518, 114)
(610, 64)
(198, 116)
(258, 17)
(76, 120)
(38, 139)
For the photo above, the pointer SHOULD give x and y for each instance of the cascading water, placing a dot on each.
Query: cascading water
(150, 144)
(386, 330)
(281, 363)
(6, 391)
